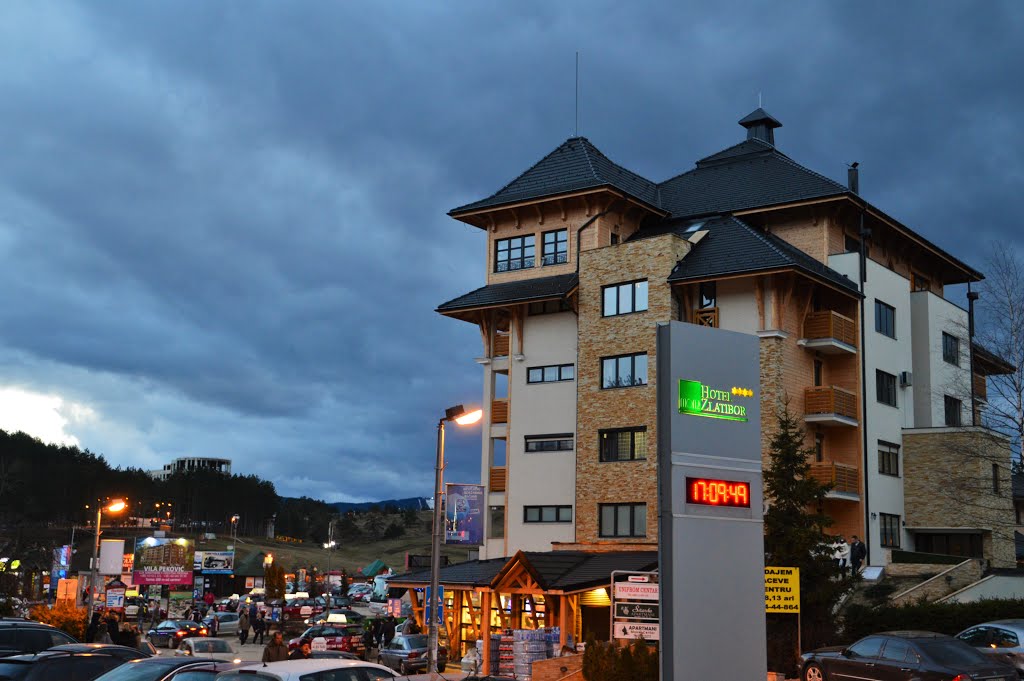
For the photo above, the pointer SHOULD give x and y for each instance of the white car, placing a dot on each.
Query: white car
(208, 648)
(321, 670)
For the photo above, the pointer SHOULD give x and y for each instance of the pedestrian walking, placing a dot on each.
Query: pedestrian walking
(276, 650)
(154, 614)
(378, 632)
(214, 627)
(388, 631)
(369, 642)
(844, 556)
(252, 612)
(243, 627)
(259, 625)
(858, 552)
(93, 629)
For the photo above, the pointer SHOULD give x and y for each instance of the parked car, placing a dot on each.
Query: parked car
(24, 636)
(169, 669)
(301, 608)
(294, 670)
(351, 617)
(228, 622)
(125, 653)
(333, 655)
(347, 638)
(170, 633)
(902, 656)
(132, 605)
(408, 655)
(1000, 639)
(207, 648)
(58, 665)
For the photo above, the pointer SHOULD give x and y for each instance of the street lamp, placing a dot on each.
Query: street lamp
(329, 545)
(115, 506)
(234, 530)
(459, 415)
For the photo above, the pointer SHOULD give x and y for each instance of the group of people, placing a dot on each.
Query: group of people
(850, 554)
(111, 629)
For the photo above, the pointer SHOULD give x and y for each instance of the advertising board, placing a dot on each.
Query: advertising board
(218, 562)
(162, 560)
(464, 515)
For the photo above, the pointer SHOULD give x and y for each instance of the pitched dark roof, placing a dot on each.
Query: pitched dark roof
(989, 363)
(734, 247)
(744, 148)
(475, 572)
(598, 567)
(575, 165)
(759, 115)
(513, 292)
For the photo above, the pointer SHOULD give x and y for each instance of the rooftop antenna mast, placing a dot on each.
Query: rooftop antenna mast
(576, 132)
(758, 100)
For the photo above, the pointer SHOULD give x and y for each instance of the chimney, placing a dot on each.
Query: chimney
(853, 177)
(760, 125)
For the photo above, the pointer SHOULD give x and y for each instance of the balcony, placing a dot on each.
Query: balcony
(706, 317)
(830, 406)
(497, 479)
(844, 478)
(499, 411)
(829, 332)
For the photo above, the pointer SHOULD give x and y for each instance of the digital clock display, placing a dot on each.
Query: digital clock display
(710, 492)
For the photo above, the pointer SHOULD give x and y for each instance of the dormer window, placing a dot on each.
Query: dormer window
(512, 254)
(556, 247)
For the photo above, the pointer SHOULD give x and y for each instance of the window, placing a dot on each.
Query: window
(497, 529)
(548, 307)
(885, 387)
(625, 298)
(890, 530)
(551, 374)
(555, 248)
(851, 244)
(623, 520)
(888, 458)
(819, 447)
(615, 239)
(513, 254)
(1004, 638)
(952, 409)
(547, 514)
(624, 371)
(950, 348)
(623, 444)
(919, 283)
(818, 371)
(885, 319)
(967, 545)
(995, 478)
(708, 295)
(549, 443)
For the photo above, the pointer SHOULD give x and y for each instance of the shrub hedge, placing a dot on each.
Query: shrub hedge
(945, 618)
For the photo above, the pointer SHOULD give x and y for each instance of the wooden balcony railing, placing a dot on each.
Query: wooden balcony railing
(708, 317)
(501, 345)
(829, 324)
(499, 411)
(980, 387)
(498, 478)
(830, 400)
(843, 477)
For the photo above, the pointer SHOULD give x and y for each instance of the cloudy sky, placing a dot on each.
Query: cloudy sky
(223, 229)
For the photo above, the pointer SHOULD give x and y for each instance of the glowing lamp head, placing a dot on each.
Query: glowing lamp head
(470, 417)
(116, 506)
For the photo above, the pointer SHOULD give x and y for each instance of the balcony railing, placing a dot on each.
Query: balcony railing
(830, 403)
(499, 411)
(843, 477)
(501, 345)
(829, 328)
(708, 317)
(498, 479)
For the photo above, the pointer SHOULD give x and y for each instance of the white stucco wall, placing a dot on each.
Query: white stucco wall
(933, 315)
(993, 586)
(737, 306)
(541, 478)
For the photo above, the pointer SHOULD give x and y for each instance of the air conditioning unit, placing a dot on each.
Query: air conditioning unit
(906, 379)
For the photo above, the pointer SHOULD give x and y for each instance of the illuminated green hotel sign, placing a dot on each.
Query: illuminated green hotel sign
(697, 399)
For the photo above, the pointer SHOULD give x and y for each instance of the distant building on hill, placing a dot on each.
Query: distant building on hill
(192, 463)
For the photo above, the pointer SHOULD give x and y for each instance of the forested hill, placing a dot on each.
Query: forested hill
(51, 485)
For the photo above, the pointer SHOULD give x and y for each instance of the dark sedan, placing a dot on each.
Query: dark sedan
(408, 655)
(170, 633)
(57, 665)
(168, 669)
(122, 652)
(903, 656)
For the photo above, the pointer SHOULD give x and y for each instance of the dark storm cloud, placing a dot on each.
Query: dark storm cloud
(223, 224)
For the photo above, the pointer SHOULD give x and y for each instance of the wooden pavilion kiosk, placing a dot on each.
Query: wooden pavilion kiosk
(531, 590)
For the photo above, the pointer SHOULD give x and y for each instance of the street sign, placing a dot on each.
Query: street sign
(644, 630)
(115, 598)
(636, 592)
(637, 611)
(782, 589)
(638, 578)
(428, 606)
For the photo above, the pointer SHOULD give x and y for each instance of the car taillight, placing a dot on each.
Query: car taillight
(179, 633)
(962, 677)
(202, 631)
(413, 655)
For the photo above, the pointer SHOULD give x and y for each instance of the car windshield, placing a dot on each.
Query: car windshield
(416, 641)
(211, 647)
(952, 653)
(137, 671)
(14, 670)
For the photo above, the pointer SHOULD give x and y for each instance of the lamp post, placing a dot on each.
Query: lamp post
(330, 548)
(459, 415)
(234, 530)
(115, 506)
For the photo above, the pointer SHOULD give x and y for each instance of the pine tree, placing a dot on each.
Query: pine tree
(796, 536)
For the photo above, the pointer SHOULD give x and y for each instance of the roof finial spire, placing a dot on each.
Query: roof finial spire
(576, 130)
(759, 105)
